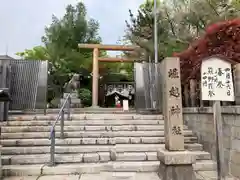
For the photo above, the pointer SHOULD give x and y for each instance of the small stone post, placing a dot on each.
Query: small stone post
(176, 163)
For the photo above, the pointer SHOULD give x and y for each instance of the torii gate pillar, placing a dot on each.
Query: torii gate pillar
(95, 77)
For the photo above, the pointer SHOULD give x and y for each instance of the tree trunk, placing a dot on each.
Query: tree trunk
(199, 92)
(186, 95)
(193, 86)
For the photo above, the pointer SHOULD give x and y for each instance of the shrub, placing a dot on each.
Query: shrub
(86, 96)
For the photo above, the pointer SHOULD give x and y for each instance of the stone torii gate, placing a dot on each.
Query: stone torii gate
(97, 59)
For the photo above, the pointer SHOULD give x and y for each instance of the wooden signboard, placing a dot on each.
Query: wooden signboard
(217, 81)
(217, 86)
(125, 105)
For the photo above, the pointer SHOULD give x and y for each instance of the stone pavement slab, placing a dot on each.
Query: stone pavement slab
(208, 174)
(63, 177)
(100, 176)
(21, 178)
(147, 176)
(120, 176)
(55, 177)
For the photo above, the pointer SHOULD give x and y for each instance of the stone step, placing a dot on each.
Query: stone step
(89, 157)
(88, 134)
(98, 110)
(92, 148)
(152, 156)
(210, 175)
(91, 141)
(82, 122)
(11, 129)
(88, 117)
(53, 177)
(98, 176)
(59, 158)
(205, 165)
(81, 168)
(103, 176)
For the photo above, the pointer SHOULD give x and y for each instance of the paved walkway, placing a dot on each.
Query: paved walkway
(102, 176)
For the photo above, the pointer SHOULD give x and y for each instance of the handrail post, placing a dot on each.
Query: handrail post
(62, 125)
(53, 131)
(52, 150)
(69, 108)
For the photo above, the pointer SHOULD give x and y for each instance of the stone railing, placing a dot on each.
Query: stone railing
(200, 120)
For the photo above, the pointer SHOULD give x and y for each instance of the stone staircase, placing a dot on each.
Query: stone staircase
(93, 144)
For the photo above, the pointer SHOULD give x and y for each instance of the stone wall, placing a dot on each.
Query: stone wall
(200, 120)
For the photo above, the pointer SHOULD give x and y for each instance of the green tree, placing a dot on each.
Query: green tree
(63, 35)
(140, 31)
(36, 53)
(236, 4)
(179, 23)
(61, 41)
(60, 47)
(201, 13)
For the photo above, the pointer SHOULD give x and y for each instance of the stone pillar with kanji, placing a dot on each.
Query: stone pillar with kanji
(176, 163)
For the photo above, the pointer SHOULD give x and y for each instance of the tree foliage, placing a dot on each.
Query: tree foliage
(36, 53)
(63, 35)
(140, 31)
(209, 23)
(61, 41)
(236, 4)
(179, 23)
(60, 47)
(86, 96)
(222, 38)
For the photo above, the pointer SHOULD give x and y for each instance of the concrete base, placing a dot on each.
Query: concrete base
(4, 107)
(176, 165)
(148, 111)
(73, 95)
(94, 107)
(75, 103)
(176, 172)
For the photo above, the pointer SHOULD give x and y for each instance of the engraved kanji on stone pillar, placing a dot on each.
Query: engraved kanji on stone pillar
(172, 104)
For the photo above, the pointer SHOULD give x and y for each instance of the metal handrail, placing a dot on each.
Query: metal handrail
(53, 132)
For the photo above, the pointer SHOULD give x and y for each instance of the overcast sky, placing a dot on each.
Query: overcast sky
(22, 22)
